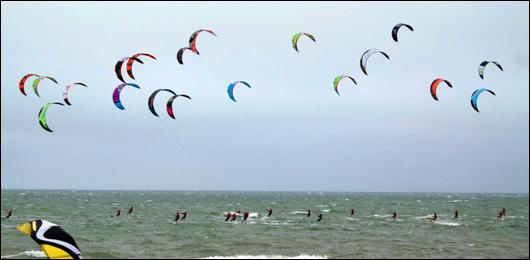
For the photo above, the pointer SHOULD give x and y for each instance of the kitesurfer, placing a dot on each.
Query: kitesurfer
(394, 216)
(269, 210)
(234, 216)
(456, 214)
(177, 217)
(130, 210)
(434, 217)
(9, 213)
(502, 214)
(118, 213)
(319, 217)
(352, 212)
(228, 215)
(245, 216)
(308, 213)
(184, 214)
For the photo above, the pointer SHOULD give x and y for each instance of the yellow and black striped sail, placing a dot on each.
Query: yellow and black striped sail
(53, 240)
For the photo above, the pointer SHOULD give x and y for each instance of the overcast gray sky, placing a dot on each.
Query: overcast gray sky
(290, 131)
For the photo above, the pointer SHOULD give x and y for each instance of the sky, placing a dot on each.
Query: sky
(290, 131)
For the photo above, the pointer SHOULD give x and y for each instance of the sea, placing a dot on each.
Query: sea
(149, 232)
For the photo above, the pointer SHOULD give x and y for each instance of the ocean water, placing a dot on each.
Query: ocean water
(150, 233)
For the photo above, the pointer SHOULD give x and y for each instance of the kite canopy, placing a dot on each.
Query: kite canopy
(117, 92)
(117, 68)
(135, 58)
(296, 37)
(42, 115)
(231, 89)
(366, 55)
(181, 52)
(482, 67)
(193, 38)
(434, 86)
(23, 81)
(476, 94)
(396, 29)
(65, 94)
(53, 240)
(37, 81)
(169, 106)
(338, 79)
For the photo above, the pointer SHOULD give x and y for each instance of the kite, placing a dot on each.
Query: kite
(37, 81)
(434, 86)
(52, 239)
(193, 38)
(396, 29)
(366, 55)
(134, 58)
(231, 89)
(181, 52)
(296, 36)
(23, 81)
(474, 97)
(482, 67)
(169, 106)
(117, 91)
(42, 115)
(65, 94)
(117, 68)
(338, 79)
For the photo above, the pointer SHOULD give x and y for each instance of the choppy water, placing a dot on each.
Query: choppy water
(150, 233)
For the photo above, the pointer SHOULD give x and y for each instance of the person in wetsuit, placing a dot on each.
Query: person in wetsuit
(245, 216)
(130, 210)
(308, 213)
(319, 217)
(9, 213)
(177, 217)
(184, 214)
(394, 216)
(269, 212)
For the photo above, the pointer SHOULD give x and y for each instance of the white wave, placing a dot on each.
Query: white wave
(455, 201)
(298, 212)
(322, 206)
(346, 199)
(7, 226)
(425, 217)
(22, 194)
(326, 210)
(32, 253)
(453, 224)
(382, 216)
(303, 256)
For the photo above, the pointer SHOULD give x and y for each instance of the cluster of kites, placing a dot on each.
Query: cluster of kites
(44, 109)
(370, 52)
(130, 61)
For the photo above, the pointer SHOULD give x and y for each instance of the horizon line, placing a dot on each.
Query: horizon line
(286, 191)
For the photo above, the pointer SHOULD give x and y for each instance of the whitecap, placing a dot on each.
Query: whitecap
(32, 253)
(303, 256)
